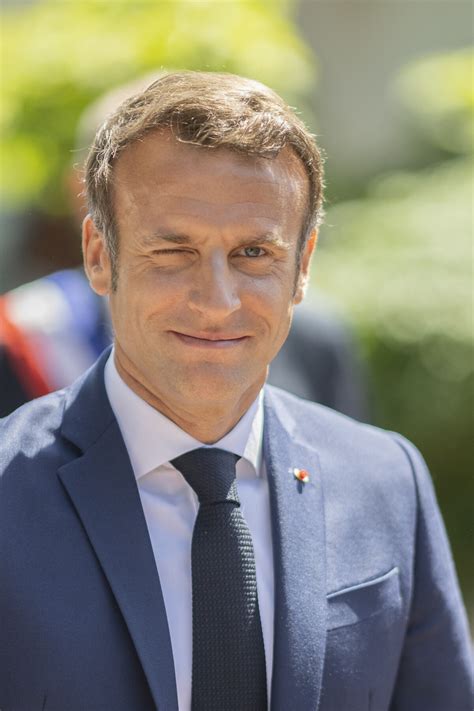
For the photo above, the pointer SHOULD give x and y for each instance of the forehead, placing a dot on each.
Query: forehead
(170, 170)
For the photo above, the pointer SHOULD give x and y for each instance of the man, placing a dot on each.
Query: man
(137, 571)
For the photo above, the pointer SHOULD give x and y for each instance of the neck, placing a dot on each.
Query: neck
(205, 421)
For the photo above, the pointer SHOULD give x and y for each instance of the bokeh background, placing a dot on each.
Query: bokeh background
(388, 87)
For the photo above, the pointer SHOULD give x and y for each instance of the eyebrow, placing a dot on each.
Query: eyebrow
(182, 239)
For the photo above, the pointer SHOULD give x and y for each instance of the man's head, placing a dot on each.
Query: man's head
(210, 110)
(205, 192)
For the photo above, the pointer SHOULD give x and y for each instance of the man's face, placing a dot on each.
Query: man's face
(206, 270)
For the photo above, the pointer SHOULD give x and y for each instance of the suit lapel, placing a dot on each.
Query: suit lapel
(104, 493)
(299, 563)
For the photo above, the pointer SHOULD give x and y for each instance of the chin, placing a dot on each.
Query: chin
(216, 385)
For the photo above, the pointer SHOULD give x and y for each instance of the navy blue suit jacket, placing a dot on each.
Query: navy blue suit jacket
(368, 614)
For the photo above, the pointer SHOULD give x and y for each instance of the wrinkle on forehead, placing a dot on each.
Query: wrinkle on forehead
(174, 153)
(162, 163)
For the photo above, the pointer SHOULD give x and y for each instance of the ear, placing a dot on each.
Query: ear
(96, 257)
(303, 276)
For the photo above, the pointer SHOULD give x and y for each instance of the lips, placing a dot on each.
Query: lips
(210, 340)
(203, 336)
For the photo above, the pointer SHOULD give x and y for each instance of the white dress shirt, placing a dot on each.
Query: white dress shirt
(170, 507)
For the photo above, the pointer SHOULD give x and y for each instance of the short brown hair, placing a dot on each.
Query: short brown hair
(214, 110)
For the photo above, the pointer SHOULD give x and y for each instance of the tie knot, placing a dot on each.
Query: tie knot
(210, 472)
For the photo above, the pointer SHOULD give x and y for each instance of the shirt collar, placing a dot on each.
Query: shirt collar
(152, 439)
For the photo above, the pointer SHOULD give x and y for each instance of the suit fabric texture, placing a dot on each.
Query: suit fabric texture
(368, 614)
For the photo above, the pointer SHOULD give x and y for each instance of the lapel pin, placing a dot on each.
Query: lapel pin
(301, 474)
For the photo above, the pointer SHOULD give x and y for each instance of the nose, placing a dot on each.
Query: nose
(214, 291)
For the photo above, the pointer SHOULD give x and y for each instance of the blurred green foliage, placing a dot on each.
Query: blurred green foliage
(439, 93)
(57, 57)
(399, 261)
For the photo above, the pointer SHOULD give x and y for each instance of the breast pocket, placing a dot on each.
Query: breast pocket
(359, 602)
(365, 633)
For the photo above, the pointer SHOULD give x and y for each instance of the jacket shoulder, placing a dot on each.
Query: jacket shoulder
(31, 428)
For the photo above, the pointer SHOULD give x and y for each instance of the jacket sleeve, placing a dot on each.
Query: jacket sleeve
(436, 669)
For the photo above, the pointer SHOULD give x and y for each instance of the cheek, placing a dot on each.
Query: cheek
(130, 306)
(271, 304)
(148, 291)
(274, 292)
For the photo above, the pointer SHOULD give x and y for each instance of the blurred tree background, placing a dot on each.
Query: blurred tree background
(395, 252)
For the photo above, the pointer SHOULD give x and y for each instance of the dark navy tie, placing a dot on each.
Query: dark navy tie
(228, 653)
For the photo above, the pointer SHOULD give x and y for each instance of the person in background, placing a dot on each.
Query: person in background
(53, 329)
